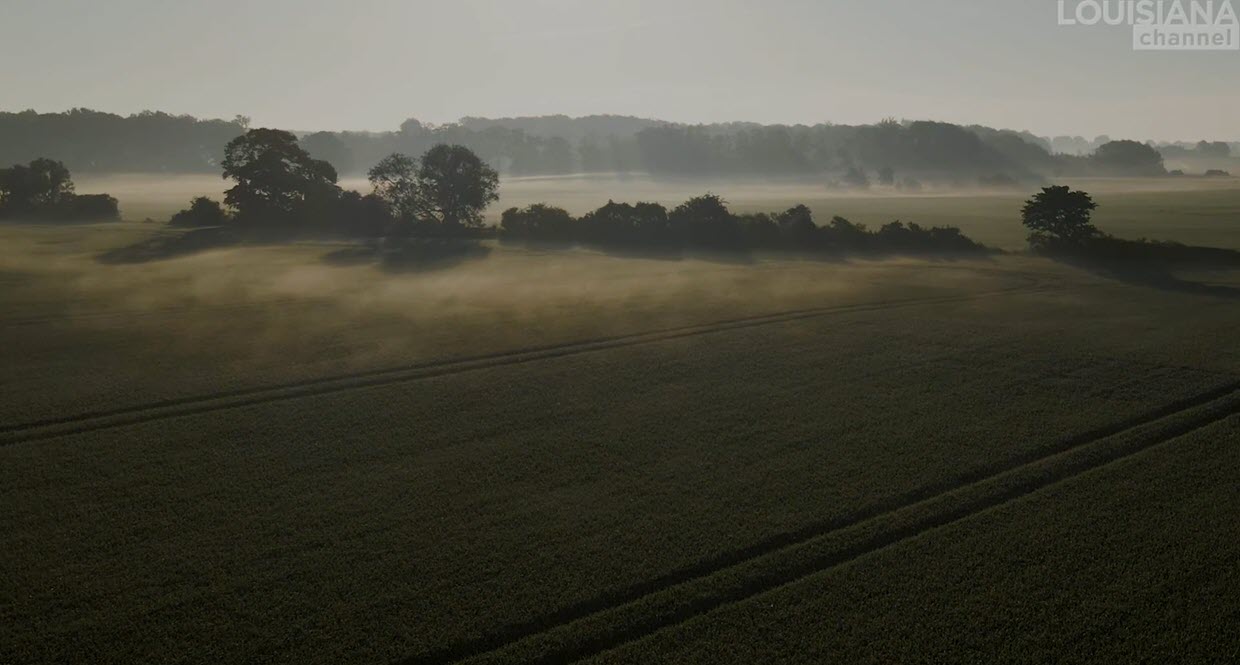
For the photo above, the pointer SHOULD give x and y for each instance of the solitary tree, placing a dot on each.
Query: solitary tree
(1057, 216)
(276, 179)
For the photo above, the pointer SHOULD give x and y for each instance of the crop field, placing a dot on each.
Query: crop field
(280, 454)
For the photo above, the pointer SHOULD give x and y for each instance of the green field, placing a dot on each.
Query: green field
(259, 454)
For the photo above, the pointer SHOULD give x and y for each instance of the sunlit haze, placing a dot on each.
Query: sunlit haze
(370, 64)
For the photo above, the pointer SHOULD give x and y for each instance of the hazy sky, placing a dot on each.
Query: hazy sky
(369, 64)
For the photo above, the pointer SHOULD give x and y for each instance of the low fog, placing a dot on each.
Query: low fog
(258, 315)
(989, 215)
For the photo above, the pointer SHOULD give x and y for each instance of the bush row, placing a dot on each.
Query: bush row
(704, 222)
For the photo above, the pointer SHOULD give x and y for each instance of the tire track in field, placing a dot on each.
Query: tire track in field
(596, 625)
(172, 408)
(1007, 490)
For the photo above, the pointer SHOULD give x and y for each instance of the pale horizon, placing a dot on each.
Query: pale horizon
(370, 65)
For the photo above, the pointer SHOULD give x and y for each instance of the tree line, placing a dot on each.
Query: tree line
(93, 141)
(279, 187)
(705, 222)
(887, 153)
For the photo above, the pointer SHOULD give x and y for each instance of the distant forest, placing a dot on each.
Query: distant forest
(894, 153)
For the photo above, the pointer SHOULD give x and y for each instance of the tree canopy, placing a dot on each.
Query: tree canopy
(1129, 158)
(40, 184)
(449, 187)
(705, 223)
(394, 180)
(276, 179)
(454, 186)
(1058, 216)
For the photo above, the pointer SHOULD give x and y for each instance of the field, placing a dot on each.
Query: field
(266, 454)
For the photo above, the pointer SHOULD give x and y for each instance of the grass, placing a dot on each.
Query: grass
(255, 455)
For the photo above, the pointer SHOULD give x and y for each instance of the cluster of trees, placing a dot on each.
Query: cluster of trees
(1078, 146)
(704, 222)
(1211, 158)
(850, 156)
(446, 190)
(925, 150)
(279, 187)
(1116, 159)
(1129, 158)
(43, 191)
(1206, 149)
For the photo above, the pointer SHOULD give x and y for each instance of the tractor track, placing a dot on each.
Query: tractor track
(605, 622)
(172, 408)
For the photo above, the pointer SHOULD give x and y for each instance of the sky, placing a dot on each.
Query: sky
(370, 64)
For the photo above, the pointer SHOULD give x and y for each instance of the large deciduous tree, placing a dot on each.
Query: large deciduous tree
(454, 186)
(449, 187)
(277, 181)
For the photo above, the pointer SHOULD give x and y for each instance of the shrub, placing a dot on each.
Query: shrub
(758, 230)
(87, 208)
(538, 221)
(365, 216)
(704, 221)
(202, 211)
(843, 234)
(641, 224)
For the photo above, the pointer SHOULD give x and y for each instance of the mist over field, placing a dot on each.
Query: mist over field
(1205, 209)
(538, 332)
